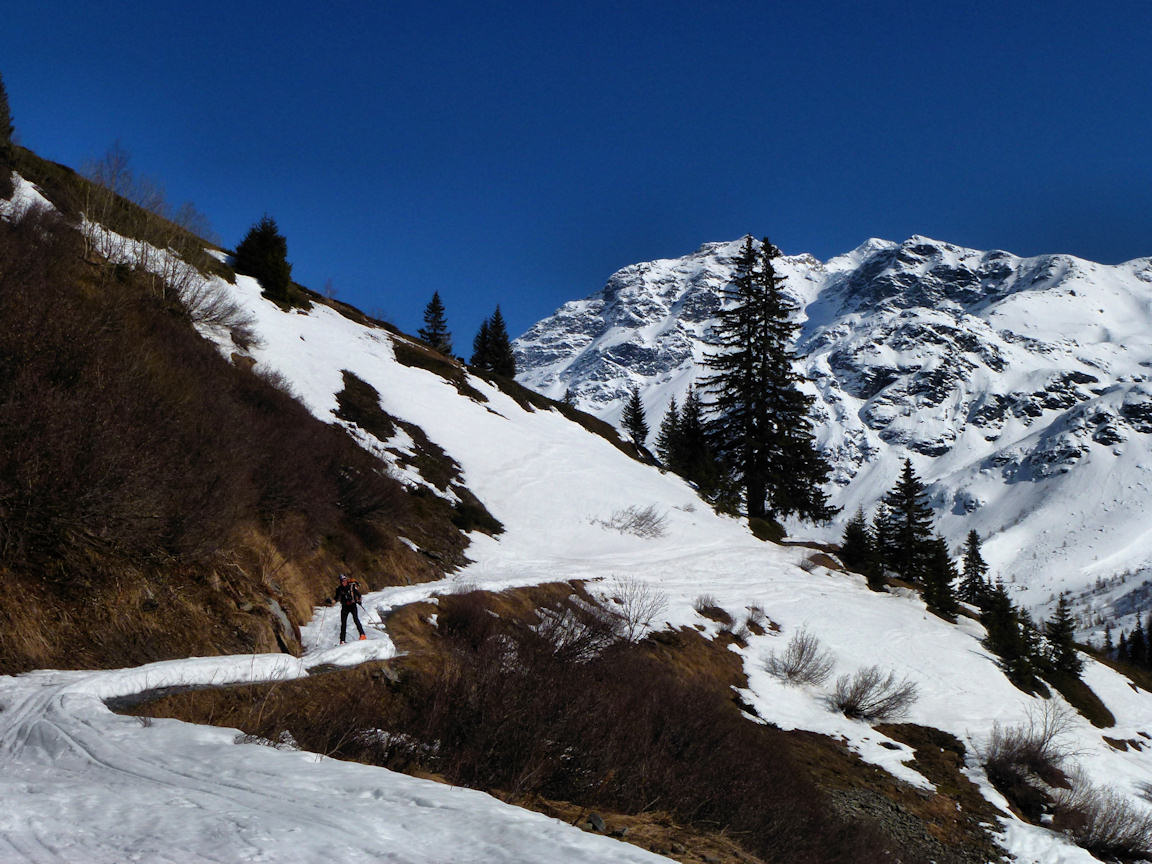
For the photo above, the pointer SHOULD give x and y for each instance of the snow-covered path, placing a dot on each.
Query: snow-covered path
(79, 783)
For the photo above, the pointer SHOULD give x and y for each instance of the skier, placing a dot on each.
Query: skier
(348, 593)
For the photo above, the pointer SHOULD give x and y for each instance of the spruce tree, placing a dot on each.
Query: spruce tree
(667, 439)
(910, 525)
(502, 359)
(435, 329)
(7, 149)
(760, 416)
(633, 419)
(973, 586)
(1137, 645)
(569, 398)
(263, 254)
(939, 574)
(482, 347)
(856, 543)
(882, 538)
(1006, 638)
(1060, 631)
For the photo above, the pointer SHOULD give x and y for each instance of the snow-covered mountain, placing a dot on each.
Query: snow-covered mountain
(1019, 387)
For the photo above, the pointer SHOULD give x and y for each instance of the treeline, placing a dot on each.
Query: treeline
(901, 542)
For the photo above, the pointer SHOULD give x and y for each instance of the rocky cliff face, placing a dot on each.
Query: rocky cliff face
(1019, 387)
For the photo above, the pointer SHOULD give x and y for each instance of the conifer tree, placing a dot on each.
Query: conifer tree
(435, 330)
(760, 416)
(939, 574)
(856, 543)
(973, 586)
(1006, 638)
(6, 127)
(1060, 631)
(482, 347)
(569, 398)
(667, 439)
(263, 253)
(7, 150)
(1109, 647)
(1122, 647)
(1137, 645)
(910, 525)
(501, 358)
(882, 538)
(633, 419)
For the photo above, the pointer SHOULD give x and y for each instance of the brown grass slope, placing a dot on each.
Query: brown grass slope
(155, 500)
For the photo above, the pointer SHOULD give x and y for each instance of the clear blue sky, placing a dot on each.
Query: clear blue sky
(519, 153)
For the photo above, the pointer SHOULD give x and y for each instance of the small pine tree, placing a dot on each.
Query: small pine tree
(973, 586)
(1060, 631)
(882, 537)
(1122, 647)
(939, 574)
(7, 150)
(911, 525)
(1137, 646)
(856, 543)
(482, 347)
(667, 439)
(1109, 647)
(263, 254)
(633, 418)
(435, 329)
(501, 357)
(569, 398)
(1006, 638)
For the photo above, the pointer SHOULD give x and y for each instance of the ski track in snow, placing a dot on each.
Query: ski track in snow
(81, 783)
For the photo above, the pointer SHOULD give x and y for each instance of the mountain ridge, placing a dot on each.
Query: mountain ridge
(989, 370)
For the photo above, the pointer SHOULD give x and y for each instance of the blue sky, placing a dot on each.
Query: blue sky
(519, 153)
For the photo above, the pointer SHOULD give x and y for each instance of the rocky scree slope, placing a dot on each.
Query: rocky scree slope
(1019, 387)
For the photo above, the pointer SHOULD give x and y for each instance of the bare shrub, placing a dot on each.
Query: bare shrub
(803, 661)
(578, 633)
(1103, 821)
(207, 303)
(872, 696)
(645, 522)
(1038, 747)
(704, 602)
(641, 604)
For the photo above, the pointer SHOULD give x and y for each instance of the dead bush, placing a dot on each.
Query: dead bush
(1103, 821)
(803, 661)
(645, 522)
(641, 604)
(872, 696)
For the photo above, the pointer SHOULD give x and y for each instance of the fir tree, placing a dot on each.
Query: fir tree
(939, 574)
(1006, 638)
(1122, 647)
(696, 458)
(1060, 631)
(973, 586)
(569, 398)
(1109, 647)
(482, 347)
(667, 439)
(502, 359)
(7, 150)
(263, 253)
(435, 329)
(761, 424)
(1137, 645)
(910, 525)
(882, 538)
(633, 419)
(856, 543)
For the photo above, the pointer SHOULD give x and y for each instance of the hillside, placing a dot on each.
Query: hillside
(534, 499)
(1017, 386)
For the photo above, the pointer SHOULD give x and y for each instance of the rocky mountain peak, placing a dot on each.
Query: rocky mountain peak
(1013, 383)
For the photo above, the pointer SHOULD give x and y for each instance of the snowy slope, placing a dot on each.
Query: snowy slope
(1019, 387)
(81, 783)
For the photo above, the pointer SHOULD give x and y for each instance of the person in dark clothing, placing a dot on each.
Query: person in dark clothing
(348, 595)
